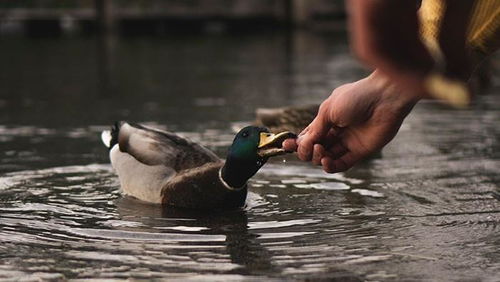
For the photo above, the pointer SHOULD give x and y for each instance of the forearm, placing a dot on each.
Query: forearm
(385, 36)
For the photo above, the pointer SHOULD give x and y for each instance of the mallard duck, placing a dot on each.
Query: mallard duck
(161, 167)
(292, 118)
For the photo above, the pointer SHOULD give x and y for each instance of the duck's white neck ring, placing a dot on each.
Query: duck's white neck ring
(227, 186)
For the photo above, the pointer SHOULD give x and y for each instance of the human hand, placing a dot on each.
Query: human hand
(357, 120)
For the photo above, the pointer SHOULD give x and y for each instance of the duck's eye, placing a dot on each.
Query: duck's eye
(244, 134)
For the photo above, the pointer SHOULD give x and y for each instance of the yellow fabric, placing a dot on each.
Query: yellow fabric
(483, 34)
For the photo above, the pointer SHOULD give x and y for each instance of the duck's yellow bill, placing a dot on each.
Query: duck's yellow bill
(267, 138)
(270, 144)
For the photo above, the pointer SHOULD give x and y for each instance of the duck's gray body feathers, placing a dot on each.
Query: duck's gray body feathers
(154, 147)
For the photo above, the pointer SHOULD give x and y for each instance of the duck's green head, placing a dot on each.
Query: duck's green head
(251, 149)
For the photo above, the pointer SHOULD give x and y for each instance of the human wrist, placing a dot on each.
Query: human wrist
(390, 92)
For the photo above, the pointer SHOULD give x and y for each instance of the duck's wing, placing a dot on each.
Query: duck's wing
(156, 147)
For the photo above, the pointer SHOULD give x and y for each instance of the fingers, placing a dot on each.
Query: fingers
(332, 137)
(343, 163)
(313, 134)
(290, 145)
(318, 153)
(336, 159)
(336, 151)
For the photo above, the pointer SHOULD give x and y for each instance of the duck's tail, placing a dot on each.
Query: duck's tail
(110, 137)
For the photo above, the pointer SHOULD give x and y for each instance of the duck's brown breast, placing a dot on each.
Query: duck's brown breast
(201, 188)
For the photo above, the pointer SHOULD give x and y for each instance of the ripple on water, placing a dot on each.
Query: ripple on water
(69, 215)
(370, 193)
(77, 222)
(324, 186)
(307, 172)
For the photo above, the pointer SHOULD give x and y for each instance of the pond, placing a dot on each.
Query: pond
(426, 208)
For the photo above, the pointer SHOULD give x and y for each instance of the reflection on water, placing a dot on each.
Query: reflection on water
(427, 209)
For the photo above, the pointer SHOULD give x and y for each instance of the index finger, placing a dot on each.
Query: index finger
(290, 145)
(317, 130)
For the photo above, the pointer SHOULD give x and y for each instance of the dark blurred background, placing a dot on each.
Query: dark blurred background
(158, 17)
(65, 63)
(69, 69)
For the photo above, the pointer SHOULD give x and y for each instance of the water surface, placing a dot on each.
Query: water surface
(427, 209)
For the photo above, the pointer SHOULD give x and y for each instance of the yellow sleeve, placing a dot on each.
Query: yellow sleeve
(483, 34)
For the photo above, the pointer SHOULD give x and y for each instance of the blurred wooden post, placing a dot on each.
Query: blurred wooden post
(295, 12)
(105, 26)
(104, 15)
(300, 11)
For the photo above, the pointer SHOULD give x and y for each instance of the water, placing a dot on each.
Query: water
(427, 209)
